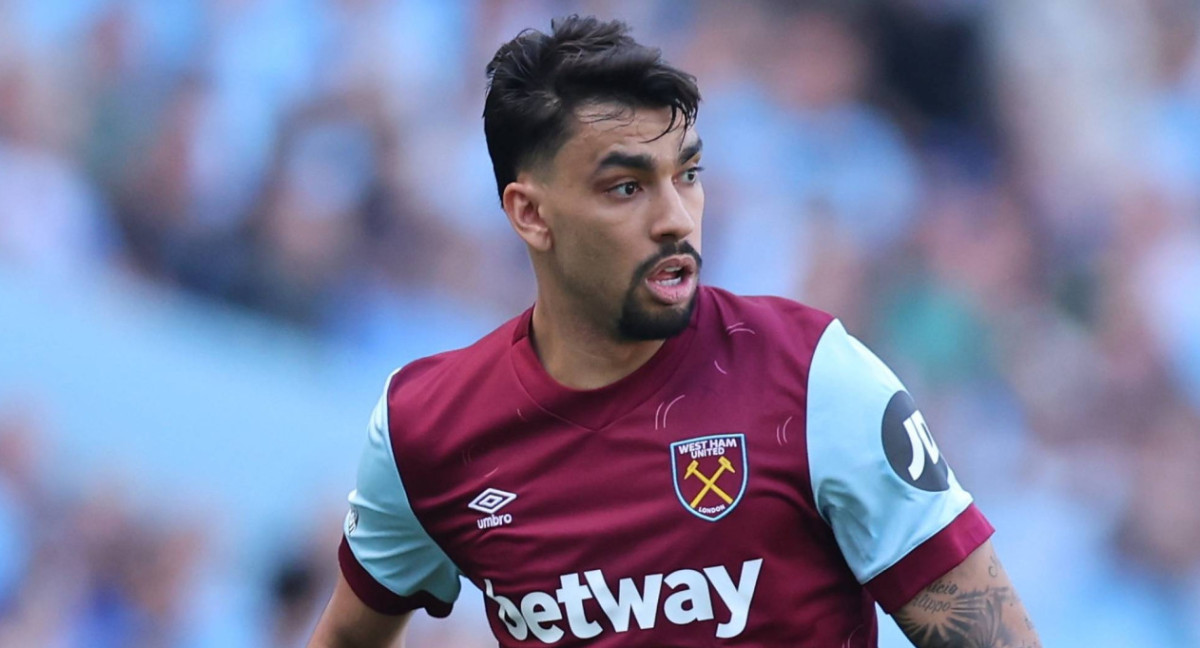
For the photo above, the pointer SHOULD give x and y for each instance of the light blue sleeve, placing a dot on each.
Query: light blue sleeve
(878, 477)
(382, 531)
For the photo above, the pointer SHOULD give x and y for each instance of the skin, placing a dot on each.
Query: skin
(973, 606)
(589, 226)
(347, 622)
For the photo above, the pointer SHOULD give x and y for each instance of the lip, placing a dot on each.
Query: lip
(684, 261)
(679, 293)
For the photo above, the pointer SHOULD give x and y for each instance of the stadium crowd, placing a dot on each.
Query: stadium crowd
(1002, 199)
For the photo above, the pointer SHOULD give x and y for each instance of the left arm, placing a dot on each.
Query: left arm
(973, 606)
(897, 511)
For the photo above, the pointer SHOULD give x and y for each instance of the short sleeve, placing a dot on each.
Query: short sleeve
(879, 480)
(386, 556)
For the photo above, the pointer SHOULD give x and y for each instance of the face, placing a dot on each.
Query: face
(622, 204)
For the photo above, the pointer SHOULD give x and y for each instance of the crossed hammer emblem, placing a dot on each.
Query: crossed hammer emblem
(710, 483)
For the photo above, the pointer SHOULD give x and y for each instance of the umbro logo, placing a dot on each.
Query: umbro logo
(490, 501)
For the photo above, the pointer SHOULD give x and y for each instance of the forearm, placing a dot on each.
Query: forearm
(972, 606)
(348, 623)
(329, 638)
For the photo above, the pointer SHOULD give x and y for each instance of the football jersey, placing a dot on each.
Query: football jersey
(763, 480)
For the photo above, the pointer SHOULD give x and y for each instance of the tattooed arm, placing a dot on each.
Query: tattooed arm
(973, 606)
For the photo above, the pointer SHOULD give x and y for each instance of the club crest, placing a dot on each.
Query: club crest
(710, 474)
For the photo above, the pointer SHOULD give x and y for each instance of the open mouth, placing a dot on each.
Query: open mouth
(673, 279)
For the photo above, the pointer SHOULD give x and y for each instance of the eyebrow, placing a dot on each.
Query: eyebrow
(691, 151)
(642, 161)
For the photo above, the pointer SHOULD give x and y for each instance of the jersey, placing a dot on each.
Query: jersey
(763, 480)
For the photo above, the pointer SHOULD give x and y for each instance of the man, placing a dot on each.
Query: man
(639, 460)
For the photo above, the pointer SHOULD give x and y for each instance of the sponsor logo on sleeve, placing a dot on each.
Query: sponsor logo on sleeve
(710, 474)
(910, 448)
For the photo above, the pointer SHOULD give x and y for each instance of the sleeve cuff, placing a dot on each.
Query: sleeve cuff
(381, 599)
(898, 584)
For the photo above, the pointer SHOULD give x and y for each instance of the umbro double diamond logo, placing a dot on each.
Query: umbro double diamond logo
(490, 501)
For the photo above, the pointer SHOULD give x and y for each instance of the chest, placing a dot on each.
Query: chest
(691, 482)
(688, 521)
(691, 519)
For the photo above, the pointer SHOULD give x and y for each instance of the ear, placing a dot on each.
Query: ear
(522, 204)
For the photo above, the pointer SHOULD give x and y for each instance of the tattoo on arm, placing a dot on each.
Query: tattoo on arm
(952, 614)
(960, 619)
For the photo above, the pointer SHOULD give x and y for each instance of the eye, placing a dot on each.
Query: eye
(625, 189)
(692, 175)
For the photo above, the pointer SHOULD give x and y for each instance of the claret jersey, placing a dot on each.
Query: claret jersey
(761, 481)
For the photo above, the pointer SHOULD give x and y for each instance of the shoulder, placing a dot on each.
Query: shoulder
(851, 395)
(451, 369)
(423, 391)
(776, 318)
(845, 368)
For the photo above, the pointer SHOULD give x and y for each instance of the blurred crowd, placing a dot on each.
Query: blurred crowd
(1001, 198)
(82, 565)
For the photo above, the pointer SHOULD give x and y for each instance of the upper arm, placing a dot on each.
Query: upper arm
(390, 565)
(347, 622)
(896, 509)
(973, 604)
(387, 557)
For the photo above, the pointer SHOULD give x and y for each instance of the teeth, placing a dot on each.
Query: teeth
(669, 282)
(673, 268)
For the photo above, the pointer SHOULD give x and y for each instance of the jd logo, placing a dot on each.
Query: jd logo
(910, 449)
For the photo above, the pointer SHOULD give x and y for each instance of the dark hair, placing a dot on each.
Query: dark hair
(536, 80)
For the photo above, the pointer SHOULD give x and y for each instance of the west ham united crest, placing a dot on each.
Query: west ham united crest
(710, 474)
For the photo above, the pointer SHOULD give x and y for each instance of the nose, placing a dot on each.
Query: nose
(673, 219)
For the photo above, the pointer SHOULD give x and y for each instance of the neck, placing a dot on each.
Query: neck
(579, 355)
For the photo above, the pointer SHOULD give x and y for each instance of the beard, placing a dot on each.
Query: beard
(639, 322)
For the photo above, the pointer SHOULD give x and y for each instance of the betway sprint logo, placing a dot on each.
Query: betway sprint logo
(549, 616)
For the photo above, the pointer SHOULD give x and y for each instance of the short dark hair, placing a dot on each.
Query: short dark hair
(537, 80)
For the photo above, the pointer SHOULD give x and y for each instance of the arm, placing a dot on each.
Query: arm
(348, 623)
(897, 511)
(973, 606)
(389, 566)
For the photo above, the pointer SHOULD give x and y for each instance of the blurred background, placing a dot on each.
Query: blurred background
(223, 223)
